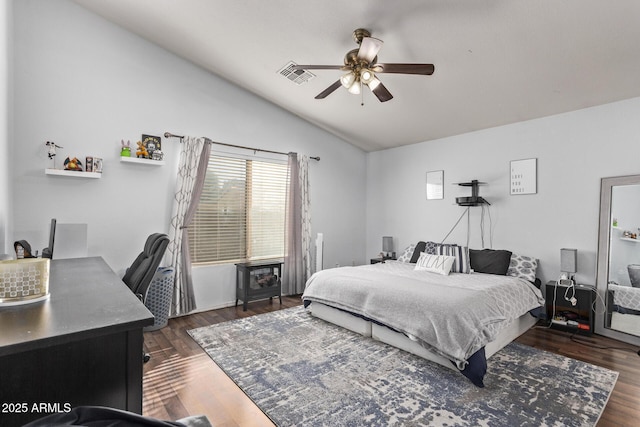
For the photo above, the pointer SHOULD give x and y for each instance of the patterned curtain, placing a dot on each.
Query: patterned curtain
(297, 259)
(192, 168)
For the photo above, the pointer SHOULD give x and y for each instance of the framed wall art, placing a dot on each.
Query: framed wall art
(435, 185)
(524, 178)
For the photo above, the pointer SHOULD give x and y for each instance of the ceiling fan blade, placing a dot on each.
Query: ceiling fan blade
(328, 91)
(317, 67)
(382, 93)
(369, 49)
(424, 69)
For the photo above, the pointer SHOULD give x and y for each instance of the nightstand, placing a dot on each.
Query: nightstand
(568, 317)
(377, 260)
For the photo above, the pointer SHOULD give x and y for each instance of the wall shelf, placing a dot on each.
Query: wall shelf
(628, 239)
(74, 174)
(141, 161)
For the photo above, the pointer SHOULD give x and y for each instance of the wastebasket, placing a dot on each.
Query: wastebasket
(159, 297)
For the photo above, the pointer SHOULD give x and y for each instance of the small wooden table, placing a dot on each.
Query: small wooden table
(257, 280)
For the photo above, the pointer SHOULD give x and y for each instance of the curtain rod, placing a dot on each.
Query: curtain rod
(170, 135)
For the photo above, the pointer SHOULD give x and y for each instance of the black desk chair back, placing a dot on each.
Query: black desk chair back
(138, 277)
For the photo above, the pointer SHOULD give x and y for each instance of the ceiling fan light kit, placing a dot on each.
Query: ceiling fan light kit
(362, 67)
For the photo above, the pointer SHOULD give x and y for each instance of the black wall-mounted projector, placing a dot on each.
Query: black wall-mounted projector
(474, 200)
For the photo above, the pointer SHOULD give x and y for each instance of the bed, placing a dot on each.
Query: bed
(624, 308)
(457, 319)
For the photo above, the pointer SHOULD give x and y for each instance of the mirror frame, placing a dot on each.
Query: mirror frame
(602, 272)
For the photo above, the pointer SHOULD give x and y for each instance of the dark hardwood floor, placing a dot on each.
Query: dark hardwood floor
(181, 380)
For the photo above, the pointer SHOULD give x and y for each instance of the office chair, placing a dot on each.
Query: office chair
(138, 277)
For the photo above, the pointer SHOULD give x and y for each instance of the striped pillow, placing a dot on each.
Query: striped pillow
(461, 253)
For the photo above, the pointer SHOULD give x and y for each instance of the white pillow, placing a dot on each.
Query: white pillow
(440, 264)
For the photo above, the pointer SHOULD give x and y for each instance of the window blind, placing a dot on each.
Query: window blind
(241, 212)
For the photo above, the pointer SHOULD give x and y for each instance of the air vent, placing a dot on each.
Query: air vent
(296, 76)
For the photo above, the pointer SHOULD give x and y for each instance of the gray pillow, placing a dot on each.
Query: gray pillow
(490, 261)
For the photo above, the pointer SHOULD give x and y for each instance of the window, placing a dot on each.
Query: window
(241, 213)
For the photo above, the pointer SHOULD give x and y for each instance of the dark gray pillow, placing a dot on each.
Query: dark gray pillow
(426, 247)
(490, 261)
(417, 251)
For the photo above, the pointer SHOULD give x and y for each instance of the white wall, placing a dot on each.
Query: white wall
(86, 84)
(5, 120)
(574, 151)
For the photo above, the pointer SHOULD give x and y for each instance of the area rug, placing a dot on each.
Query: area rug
(303, 371)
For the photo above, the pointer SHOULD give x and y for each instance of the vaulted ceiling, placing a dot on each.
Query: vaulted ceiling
(496, 61)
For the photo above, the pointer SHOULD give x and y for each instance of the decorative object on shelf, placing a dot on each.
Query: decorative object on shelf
(629, 235)
(524, 176)
(52, 149)
(125, 150)
(51, 152)
(97, 164)
(142, 152)
(72, 164)
(157, 155)
(435, 185)
(151, 144)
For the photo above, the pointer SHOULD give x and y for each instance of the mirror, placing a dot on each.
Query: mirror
(618, 275)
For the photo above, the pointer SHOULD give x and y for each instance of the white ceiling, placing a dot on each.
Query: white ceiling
(496, 61)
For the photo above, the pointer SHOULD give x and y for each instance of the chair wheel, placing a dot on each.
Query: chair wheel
(146, 357)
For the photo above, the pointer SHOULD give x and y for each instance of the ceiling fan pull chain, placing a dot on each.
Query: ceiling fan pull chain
(361, 95)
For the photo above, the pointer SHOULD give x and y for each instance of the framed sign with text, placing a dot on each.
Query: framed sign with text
(524, 178)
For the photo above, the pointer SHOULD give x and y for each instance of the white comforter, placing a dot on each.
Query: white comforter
(626, 296)
(453, 315)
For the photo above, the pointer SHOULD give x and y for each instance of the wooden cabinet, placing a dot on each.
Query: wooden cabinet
(256, 280)
(565, 315)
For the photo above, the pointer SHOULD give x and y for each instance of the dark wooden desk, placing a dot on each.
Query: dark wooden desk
(82, 346)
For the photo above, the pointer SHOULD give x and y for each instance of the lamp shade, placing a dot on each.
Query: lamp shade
(348, 79)
(568, 260)
(354, 89)
(387, 244)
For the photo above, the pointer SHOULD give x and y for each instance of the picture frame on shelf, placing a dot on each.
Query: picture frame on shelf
(152, 143)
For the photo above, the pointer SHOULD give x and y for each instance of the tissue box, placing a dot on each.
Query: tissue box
(24, 280)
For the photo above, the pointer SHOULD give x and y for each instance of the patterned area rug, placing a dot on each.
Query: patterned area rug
(302, 371)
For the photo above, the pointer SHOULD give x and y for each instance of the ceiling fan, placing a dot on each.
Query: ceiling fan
(362, 67)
